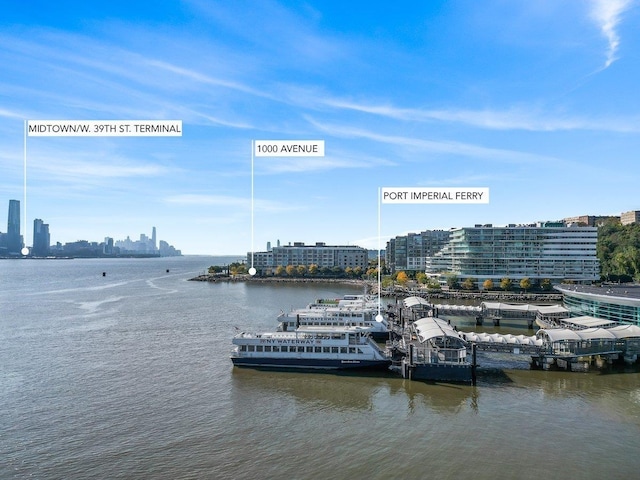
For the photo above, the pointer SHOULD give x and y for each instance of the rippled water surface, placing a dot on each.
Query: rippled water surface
(128, 376)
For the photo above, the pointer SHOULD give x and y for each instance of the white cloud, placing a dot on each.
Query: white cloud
(435, 146)
(607, 14)
(516, 118)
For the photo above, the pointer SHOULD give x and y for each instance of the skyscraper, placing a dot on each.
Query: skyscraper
(14, 239)
(153, 239)
(41, 238)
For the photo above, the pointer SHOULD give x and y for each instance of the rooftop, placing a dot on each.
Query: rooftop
(630, 291)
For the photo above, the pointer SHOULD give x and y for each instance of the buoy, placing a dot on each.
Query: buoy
(104, 274)
(167, 270)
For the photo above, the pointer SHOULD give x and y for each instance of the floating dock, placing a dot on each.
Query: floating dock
(430, 348)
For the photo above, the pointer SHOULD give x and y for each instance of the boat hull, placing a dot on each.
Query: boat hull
(309, 363)
(439, 372)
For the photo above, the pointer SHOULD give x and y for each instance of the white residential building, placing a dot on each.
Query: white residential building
(320, 254)
(542, 251)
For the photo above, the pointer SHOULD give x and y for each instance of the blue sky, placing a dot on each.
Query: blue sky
(539, 101)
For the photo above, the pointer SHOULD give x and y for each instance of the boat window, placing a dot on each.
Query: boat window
(353, 350)
(309, 349)
(252, 348)
(334, 349)
(318, 349)
(243, 348)
(258, 348)
(276, 348)
(326, 349)
(284, 348)
(343, 349)
(300, 349)
(267, 348)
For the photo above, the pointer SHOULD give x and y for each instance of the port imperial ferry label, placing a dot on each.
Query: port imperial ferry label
(435, 195)
(289, 148)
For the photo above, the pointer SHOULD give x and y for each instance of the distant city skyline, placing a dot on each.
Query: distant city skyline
(41, 240)
(146, 244)
(536, 101)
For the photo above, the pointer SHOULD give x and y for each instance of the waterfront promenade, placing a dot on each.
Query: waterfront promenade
(394, 292)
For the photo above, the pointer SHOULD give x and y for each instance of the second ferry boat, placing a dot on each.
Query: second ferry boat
(350, 311)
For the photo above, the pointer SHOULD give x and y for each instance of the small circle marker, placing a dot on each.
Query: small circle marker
(252, 271)
(25, 251)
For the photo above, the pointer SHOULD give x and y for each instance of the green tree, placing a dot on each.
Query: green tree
(506, 284)
(452, 281)
(617, 249)
(291, 270)
(421, 278)
(301, 270)
(280, 271)
(237, 268)
(487, 284)
(546, 284)
(402, 278)
(313, 269)
(525, 284)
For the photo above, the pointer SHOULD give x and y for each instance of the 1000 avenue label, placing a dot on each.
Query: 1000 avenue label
(289, 148)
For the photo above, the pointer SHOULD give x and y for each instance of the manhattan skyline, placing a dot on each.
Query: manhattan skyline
(535, 100)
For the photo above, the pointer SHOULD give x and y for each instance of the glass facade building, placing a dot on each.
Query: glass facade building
(620, 303)
(536, 252)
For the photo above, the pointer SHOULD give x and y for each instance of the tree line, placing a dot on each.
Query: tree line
(618, 250)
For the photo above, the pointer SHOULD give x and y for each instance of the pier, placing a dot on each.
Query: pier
(418, 307)
(430, 348)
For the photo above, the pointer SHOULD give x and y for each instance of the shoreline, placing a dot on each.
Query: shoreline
(398, 292)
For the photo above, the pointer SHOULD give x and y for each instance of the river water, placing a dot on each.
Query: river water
(128, 376)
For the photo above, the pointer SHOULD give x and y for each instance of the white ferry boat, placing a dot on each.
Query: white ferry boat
(366, 319)
(350, 311)
(313, 348)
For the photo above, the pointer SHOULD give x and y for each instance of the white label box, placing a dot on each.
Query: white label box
(289, 148)
(104, 128)
(429, 195)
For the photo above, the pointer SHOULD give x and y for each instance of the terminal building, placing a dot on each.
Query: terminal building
(537, 252)
(618, 303)
(320, 254)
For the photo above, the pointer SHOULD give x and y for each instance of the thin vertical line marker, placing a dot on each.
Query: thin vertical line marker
(252, 270)
(379, 316)
(25, 250)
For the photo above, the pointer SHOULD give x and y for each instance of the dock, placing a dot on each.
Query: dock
(430, 348)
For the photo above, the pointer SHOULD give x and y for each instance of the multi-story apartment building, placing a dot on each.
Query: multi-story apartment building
(320, 254)
(541, 251)
(628, 218)
(589, 220)
(410, 252)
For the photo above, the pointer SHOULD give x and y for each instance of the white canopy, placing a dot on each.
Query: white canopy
(429, 327)
(625, 331)
(413, 301)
